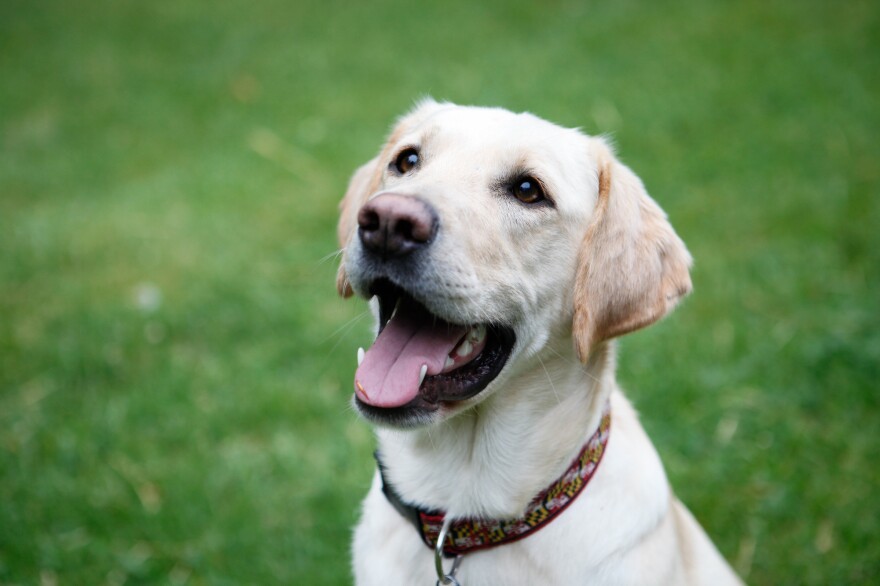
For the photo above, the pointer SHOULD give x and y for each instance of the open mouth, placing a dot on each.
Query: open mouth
(420, 361)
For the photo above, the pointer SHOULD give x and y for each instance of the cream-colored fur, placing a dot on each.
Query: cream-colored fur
(600, 263)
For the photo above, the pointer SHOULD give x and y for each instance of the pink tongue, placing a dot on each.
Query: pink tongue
(389, 374)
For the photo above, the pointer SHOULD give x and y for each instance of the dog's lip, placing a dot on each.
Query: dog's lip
(389, 293)
(415, 413)
(448, 387)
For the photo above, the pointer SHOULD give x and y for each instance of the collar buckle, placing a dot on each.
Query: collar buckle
(444, 579)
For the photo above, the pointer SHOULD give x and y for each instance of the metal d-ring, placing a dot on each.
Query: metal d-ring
(444, 579)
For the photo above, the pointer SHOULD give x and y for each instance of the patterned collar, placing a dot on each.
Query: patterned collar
(473, 534)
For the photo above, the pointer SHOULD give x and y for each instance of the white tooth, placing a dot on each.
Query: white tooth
(360, 356)
(477, 334)
(422, 373)
(449, 362)
(464, 348)
(394, 311)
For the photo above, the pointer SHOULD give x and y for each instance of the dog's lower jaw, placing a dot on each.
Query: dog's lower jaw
(472, 465)
(399, 418)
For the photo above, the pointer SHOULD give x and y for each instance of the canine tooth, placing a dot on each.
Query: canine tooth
(464, 348)
(477, 334)
(449, 362)
(360, 356)
(422, 373)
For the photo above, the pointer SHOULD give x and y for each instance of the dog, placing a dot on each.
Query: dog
(502, 256)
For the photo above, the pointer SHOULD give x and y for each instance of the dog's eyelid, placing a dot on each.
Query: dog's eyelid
(547, 196)
(509, 186)
(406, 159)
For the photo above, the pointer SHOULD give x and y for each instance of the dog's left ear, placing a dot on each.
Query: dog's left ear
(359, 188)
(633, 268)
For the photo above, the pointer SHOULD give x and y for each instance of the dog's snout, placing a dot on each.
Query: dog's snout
(396, 225)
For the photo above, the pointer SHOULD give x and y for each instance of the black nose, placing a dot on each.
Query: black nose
(394, 225)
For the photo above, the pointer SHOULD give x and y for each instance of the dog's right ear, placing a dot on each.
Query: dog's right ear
(361, 185)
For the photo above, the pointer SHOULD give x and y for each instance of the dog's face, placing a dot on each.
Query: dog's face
(481, 235)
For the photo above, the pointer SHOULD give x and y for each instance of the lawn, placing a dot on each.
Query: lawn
(175, 366)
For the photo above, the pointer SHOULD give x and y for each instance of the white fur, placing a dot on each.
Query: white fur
(498, 260)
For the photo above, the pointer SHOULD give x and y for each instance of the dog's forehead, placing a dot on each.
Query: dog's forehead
(495, 128)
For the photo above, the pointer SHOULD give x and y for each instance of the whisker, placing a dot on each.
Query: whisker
(346, 326)
(332, 255)
(550, 380)
(593, 377)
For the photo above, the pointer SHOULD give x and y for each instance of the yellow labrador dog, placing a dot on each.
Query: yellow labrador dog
(502, 255)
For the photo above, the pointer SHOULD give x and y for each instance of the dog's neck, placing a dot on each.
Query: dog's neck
(491, 460)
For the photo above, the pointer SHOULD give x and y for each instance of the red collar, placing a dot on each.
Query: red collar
(473, 534)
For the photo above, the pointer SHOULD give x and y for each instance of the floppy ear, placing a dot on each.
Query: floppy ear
(359, 188)
(632, 268)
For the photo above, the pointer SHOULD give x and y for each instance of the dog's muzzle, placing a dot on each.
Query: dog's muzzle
(420, 359)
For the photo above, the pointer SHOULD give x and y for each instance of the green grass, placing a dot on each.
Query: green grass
(175, 366)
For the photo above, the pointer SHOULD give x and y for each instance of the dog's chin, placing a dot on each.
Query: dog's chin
(410, 416)
(444, 393)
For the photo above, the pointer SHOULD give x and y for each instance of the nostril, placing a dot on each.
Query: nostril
(422, 228)
(368, 219)
(404, 229)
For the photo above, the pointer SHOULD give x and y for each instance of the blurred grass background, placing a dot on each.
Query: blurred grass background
(175, 366)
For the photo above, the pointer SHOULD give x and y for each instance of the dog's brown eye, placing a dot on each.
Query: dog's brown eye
(528, 190)
(406, 160)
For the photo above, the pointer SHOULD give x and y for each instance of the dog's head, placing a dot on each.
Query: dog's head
(481, 235)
